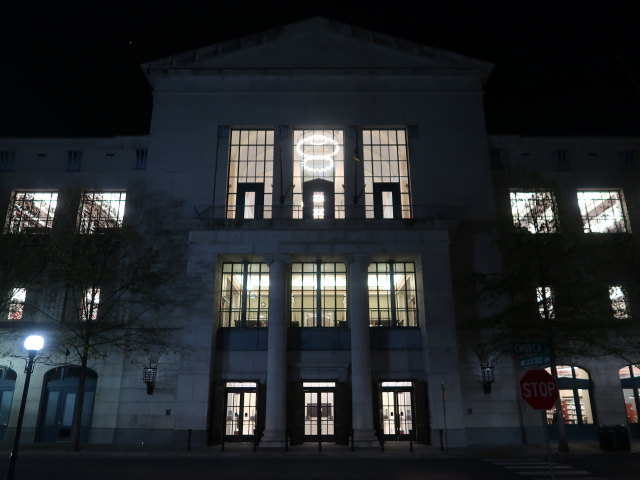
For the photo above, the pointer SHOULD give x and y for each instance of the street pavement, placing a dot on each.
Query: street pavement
(306, 462)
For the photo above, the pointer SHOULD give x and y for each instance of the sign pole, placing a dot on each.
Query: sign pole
(547, 441)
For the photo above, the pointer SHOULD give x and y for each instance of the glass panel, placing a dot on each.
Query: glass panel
(319, 384)
(233, 413)
(248, 413)
(326, 413)
(304, 281)
(250, 161)
(630, 405)
(603, 211)
(619, 303)
(51, 410)
(581, 373)
(387, 204)
(31, 212)
(624, 373)
(405, 295)
(318, 154)
(249, 205)
(544, 298)
(397, 384)
(318, 205)
(405, 422)
(100, 210)
(379, 284)
(311, 413)
(256, 301)
(67, 409)
(388, 413)
(585, 405)
(16, 303)
(534, 211)
(385, 161)
(5, 406)
(87, 409)
(241, 385)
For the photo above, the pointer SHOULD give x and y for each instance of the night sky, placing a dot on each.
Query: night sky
(71, 69)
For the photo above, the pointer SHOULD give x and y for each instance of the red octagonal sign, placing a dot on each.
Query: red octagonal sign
(539, 389)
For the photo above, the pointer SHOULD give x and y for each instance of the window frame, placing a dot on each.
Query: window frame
(245, 311)
(394, 309)
(620, 225)
(15, 224)
(88, 223)
(524, 218)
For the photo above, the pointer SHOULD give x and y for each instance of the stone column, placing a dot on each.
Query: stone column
(276, 415)
(361, 393)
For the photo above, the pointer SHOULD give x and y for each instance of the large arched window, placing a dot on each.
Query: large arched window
(58, 401)
(7, 386)
(574, 384)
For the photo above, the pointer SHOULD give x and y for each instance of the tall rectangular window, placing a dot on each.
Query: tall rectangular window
(544, 300)
(31, 212)
(318, 294)
(534, 210)
(392, 295)
(90, 304)
(386, 173)
(619, 302)
(318, 174)
(101, 210)
(244, 296)
(603, 211)
(250, 174)
(16, 302)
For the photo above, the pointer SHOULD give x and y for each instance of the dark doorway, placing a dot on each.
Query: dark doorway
(318, 199)
(386, 200)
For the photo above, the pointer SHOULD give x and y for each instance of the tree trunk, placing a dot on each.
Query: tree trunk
(77, 411)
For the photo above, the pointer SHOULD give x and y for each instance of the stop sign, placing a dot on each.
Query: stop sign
(539, 389)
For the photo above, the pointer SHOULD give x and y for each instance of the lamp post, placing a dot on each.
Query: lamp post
(33, 344)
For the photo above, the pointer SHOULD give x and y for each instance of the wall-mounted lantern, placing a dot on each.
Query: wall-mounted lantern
(149, 377)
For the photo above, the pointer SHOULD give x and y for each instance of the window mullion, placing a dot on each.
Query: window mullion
(392, 291)
(243, 304)
(318, 293)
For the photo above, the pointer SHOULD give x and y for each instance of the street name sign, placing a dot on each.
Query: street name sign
(537, 361)
(539, 389)
(531, 348)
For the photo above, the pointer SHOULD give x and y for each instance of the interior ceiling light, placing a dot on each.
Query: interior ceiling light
(317, 162)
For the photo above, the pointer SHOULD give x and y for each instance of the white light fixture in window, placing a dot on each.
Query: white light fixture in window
(317, 162)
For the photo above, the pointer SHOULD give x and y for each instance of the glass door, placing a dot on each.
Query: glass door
(319, 422)
(397, 410)
(241, 411)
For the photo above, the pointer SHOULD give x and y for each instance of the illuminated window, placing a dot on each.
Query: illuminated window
(386, 173)
(574, 386)
(318, 169)
(619, 303)
(31, 212)
(240, 410)
(318, 294)
(90, 304)
(244, 296)
(534, 211)
(101, 210)
(603, 211)
(630, 382)
(16, 303)
(392, 295)
(250, 174)
(544, 300)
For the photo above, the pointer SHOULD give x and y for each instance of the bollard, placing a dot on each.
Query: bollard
(255, 440)
(441, 441)
(286, 440)
(411, 444)
(189, 441)
(353, 444)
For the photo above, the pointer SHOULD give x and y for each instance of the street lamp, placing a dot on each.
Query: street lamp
(33, 344)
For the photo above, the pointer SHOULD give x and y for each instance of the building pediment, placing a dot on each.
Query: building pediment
(320, 44)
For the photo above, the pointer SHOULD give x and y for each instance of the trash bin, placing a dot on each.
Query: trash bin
(614, 438)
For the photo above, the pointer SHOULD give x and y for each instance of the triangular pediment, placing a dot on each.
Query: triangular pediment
(322, 44)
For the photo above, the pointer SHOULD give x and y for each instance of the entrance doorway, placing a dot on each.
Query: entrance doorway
(397, 410)
(59, 400)
(319, 420)
(241, 411)
(7, 386)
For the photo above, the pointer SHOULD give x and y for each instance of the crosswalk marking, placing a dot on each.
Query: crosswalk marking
(531, 467)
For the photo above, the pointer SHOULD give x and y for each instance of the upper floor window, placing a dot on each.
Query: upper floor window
(392, 295)
(16, 302)
(31, 212)
(534, 210)
(386, 173)
(244, 296)
(619, 302)
(318, 174)
(250, 174)
(545, 302)
(318, 294)
(603, 211)
(100, 210)
(89, 304)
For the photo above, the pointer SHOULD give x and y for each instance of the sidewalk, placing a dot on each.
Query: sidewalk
(391, 449)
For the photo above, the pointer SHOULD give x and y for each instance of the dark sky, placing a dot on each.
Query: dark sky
(562, 68)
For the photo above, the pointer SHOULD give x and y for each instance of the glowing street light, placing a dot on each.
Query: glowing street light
(32, 344)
